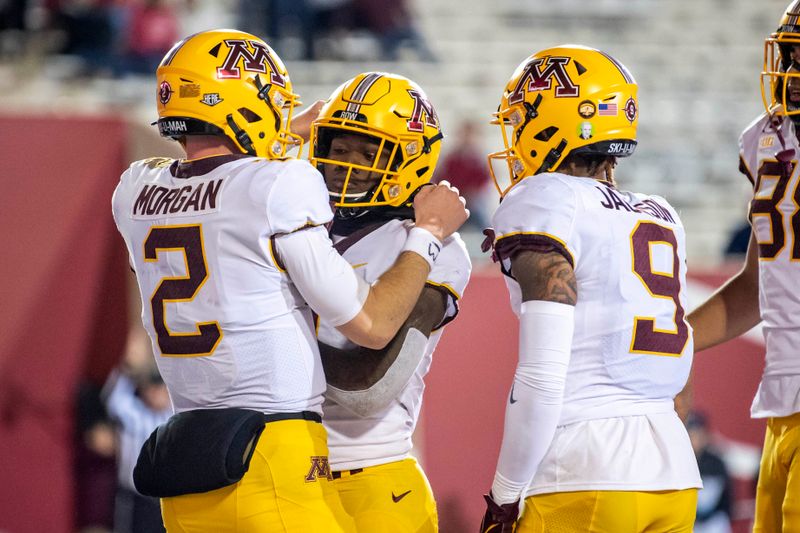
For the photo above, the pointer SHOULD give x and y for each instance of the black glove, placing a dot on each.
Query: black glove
(499, 518)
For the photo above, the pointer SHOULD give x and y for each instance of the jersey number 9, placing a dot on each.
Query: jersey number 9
(647, 338)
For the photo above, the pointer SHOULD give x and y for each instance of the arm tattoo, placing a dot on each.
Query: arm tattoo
(545, 276)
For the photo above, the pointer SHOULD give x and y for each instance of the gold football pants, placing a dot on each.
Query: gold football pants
(390, 498)
(288, 489)
(778, 493)
(610, 512)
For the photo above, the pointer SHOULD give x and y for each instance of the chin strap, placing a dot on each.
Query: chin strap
(428, 143)
(241, 136)
(263, 94)
(552, 157)
(531, 112)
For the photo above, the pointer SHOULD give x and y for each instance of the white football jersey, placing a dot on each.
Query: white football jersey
(228, 327)
(776, 224)
(356, 442)
(631, 348)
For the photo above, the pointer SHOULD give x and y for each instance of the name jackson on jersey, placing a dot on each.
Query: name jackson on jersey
(157, 200)
(613, 200)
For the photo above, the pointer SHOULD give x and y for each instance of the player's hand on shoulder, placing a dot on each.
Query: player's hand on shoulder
(301, 123)
(440, 209)
(499, 518)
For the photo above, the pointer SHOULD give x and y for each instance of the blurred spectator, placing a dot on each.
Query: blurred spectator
(138, 402)
(154, 28)
(465, 167)
(391, 21)
(12, 14)
(89, 33)
(291, 20)
(95, 464)
(332, 19)
(295, 27)
(12, 25)
(253, 17)
(280, 22)
(738, 240)
(714, 500)
(201, 15)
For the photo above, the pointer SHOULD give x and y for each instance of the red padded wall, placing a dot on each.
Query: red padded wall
(64, 302)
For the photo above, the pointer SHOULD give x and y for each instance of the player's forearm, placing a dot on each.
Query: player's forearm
(373, 390)
(389, 302)
(359, 368)
(367, 381)
(728, 313)
(534, 405)
(530, 424)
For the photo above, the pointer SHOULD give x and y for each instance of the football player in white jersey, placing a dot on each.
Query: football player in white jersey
(597, 277)
(765, 290)
(376, 142)
(231, 254)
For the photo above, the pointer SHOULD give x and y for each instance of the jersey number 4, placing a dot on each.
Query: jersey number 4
(765, 204)
(189, 241)
(647, 338)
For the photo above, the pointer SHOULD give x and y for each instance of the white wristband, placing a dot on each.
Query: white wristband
(423, 243)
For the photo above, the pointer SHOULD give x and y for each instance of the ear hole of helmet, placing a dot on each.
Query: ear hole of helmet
(249, 115)
(546, 134)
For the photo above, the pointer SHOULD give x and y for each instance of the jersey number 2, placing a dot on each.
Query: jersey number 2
(646, 337)
(189, 241)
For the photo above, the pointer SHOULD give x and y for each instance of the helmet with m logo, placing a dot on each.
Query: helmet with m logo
(782, 65)
(395, 116)
(560, 101)
(227, 83)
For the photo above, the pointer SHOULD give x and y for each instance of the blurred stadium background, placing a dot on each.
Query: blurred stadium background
(76, 108)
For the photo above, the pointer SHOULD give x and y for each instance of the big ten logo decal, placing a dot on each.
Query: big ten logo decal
(255, 60)
(422, 105)
(538, 75)
(319, 469)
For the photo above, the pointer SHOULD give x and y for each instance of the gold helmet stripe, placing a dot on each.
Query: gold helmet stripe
(794, 12)
(361, 91)
(624, 71)
(174, 51)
